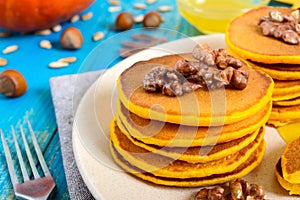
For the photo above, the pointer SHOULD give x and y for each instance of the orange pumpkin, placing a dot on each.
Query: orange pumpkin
(32, 15)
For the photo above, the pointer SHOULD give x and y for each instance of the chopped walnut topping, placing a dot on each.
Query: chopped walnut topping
(213, 193)
(224, 60)
(169, 82)
(296, 14)
(238, 189)
(214, 69)
(212, 77)
(241, 189)
(282, 26)
(203, 53)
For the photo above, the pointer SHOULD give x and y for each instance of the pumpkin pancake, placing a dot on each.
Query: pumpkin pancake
(173, 135)
(284, 90)
(290, 161)
(199, 108)
(242, 170)
(278, 71)
(294, 189)
(277, 123)
(281, 115)
(245, 38)
(167, 167)
(289, 102)
(194, 154)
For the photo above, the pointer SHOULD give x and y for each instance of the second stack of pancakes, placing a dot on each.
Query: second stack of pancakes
(202, 138)
(272, 56)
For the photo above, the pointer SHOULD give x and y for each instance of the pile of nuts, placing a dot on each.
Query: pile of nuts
(282, 26)
(238, 189)
(168, 81)
(125, 20)
(213, 69)
(216, 68)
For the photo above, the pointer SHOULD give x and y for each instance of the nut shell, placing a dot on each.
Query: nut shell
(124, 21)
(152, 19)
(71, 38)
(12, 83)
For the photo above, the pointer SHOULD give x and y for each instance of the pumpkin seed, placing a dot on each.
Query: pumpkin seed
(75, 18)
(151, 1)
(138, 18)
(68, 59)
(164, 8)
(45, 44)
(114, 9)
(114, 2)
(43, 32)
(10, 49)
(3, 62)
(87, 16)
(98, 36)
(56, 28)
(58, 64)
(139, 6)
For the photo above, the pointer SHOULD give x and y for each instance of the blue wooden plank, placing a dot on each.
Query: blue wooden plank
(54, 161)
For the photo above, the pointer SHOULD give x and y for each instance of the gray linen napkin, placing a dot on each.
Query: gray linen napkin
(67, 92)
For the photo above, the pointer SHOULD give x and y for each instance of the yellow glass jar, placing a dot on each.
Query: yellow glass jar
(213, 16)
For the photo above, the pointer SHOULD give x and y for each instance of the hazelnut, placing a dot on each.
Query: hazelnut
(152, 19)
(124, 21)
(71, 38)
(12, 83)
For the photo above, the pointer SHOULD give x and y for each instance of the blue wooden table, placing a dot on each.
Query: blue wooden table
(32, 61)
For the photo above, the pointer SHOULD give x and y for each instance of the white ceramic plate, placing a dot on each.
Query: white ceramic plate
(104, 178)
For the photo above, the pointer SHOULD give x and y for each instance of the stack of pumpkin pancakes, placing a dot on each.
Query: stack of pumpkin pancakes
(202, 138)
(272, 56)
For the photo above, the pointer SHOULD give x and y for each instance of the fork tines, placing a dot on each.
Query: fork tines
(38, 188)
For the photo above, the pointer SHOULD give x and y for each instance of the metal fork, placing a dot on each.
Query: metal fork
(37, 188)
